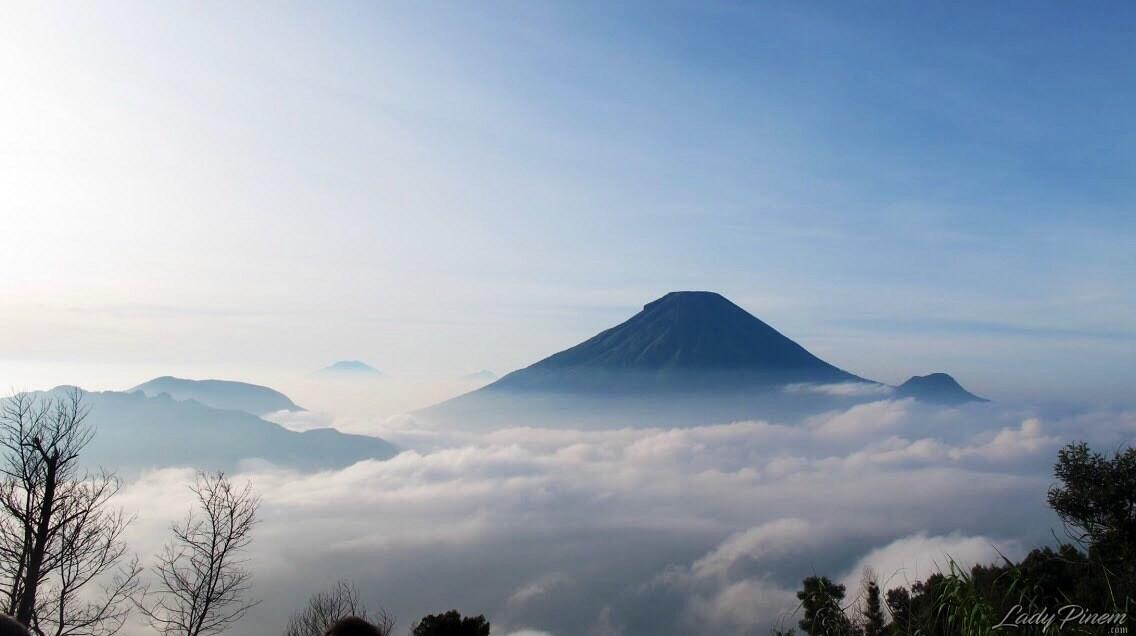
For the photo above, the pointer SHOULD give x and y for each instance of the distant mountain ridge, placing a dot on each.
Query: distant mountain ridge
(688, 340)
(134, 432)
(220, 394)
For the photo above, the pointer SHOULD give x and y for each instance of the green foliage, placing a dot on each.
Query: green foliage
(962, 601)
(1097, 498)
(1097, 501)
(874, 620)
(961, 607)
(898, 602)
(820, 599)
(914, 610)
(451, 623)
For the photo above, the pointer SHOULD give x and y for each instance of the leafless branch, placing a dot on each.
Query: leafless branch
(201, 579)
(327, 607)
(59, 536)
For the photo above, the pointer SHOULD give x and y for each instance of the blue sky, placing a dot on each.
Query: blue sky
(438, 188)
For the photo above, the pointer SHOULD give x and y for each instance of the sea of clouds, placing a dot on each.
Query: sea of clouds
(705, 530)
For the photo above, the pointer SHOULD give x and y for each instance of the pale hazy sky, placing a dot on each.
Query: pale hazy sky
(223, 189)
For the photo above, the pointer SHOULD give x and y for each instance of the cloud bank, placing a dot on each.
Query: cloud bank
(670, 531)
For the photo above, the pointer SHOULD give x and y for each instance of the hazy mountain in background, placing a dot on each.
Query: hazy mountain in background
(484, 375)
(350, 368)
(220, 394)
(135, 432)
(938, 388)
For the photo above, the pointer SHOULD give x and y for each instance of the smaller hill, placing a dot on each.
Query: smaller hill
(938, 388)
(220, 394)
(134, 432)
(350, 368)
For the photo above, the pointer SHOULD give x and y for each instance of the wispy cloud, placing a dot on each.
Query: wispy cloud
(977, 327)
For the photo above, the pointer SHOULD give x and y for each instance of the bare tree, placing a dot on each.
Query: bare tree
(89, 549)
(327, 607)
(59, 536)
(201, 578)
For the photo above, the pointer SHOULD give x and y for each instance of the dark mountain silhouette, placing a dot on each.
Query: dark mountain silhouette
(135, 432)
(938, 388)
(687, 358)
(350, 368)
(221, 394)
(684, 341)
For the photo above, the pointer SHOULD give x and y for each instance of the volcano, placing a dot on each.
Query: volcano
(688, 358)
(684, 341)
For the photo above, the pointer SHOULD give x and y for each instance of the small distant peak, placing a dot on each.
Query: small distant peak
(936, 387)
(484, 375)
(350, 367)
(933, 378)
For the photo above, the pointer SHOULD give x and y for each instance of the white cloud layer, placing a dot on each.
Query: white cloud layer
(700, 530)
(843, 389)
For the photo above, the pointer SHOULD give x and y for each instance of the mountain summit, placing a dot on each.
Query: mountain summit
(686, 340)
(938, 388)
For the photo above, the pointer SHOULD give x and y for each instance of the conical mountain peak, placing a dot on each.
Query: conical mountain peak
(683, 340)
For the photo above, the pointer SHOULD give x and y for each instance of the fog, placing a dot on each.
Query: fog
(705, 529)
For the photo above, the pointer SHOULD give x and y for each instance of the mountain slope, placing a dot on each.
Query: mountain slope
(220, 394)
(938, 388)
(134, 432)
(681, 342)
(686, 359)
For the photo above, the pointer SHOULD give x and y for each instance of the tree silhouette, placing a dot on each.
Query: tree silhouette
(1097, 502)
(201, 575)
(899, 604)
(59, 536)
(451, 623)
(326, 608)
(820, 599)
(874, 620)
